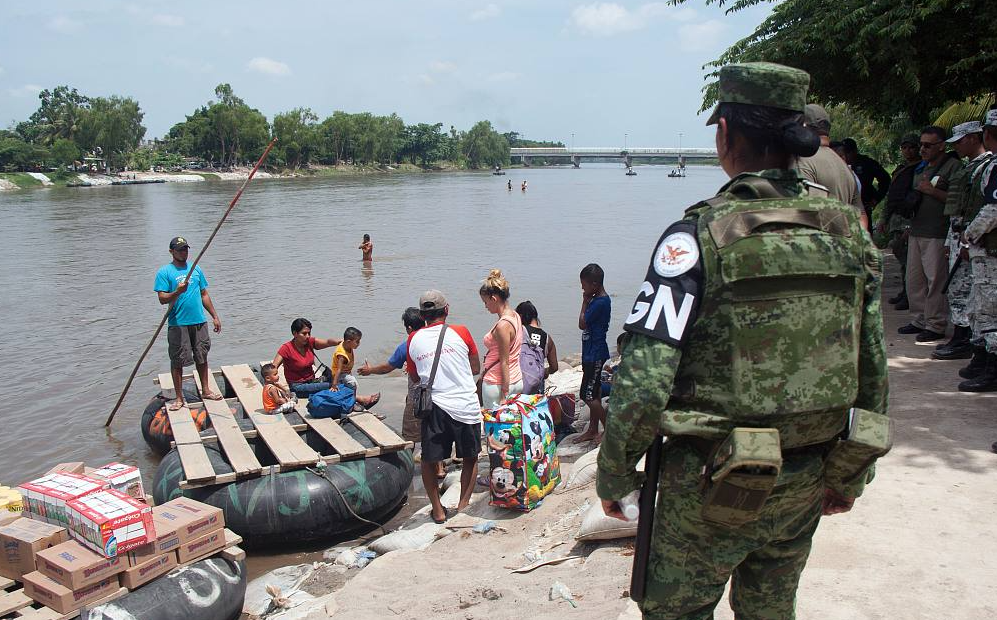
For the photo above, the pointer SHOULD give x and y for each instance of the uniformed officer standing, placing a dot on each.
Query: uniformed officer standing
(981, 374)
(964, 198)
(756, 349)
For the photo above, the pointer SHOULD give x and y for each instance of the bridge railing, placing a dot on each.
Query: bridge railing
(611, 151)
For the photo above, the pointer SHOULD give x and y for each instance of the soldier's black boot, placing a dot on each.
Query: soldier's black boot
(986, 381)
(958, 348)
(976, 365)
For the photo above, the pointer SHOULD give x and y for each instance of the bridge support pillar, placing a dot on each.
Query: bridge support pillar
(576, 161)
(526, 161)
(629, 161)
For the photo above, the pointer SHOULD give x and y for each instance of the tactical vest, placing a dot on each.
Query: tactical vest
(967, 202)
(776, 341)
(975, 201)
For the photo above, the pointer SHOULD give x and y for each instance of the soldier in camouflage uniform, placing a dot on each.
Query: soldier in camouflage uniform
(963, 198)
(981, 374)
(760, 312)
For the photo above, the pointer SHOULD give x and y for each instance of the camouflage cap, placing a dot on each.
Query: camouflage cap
(961, 131)
(764, 84)
(990, 119)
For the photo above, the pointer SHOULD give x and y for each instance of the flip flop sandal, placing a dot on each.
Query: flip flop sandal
(447, 513)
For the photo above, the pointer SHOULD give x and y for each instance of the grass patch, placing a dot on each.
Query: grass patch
(209, 176)
(21, 179)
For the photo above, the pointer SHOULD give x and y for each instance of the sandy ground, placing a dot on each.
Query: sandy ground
(918, 545)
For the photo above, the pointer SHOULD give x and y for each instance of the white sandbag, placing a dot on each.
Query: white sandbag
(597, 526)
(287, 578)
(565, 381)
(583, 471)
(451, 497)
(418, 538)
(452, 479)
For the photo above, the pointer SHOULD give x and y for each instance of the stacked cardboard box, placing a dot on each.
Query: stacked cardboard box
(45, 498)
(110, 522)
(196, 529)
(53, 594)
(21, 540)
(124, 478)
(74, 566)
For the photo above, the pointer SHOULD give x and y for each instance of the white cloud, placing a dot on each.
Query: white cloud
(703, 36)
(606, 19)
(442, 66)
(504, 76)
(28, 90)
(425, 80)
(172, 21)
(488, 11)
(268, 66)
(64, 24)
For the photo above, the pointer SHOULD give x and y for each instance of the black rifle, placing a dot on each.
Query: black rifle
(955, 267)
(645, 523)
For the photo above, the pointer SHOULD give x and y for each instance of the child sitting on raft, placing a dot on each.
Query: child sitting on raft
(342, 359)
(276, 399)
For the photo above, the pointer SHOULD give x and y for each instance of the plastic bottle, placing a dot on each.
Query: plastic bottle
(630, 505)
(560, 591)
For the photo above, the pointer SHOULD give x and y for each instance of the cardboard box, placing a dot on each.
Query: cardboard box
(110, 522)
(74, 566)
(60, 598)
(21, 540)
(124, 478)
(133, 577)
(45, 498)
(8, 517)
(75, 467)
(167, 539)
(188, 518)
(198, 547)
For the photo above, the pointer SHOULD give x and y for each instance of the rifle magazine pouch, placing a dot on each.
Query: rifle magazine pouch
(869, 436)
(740, 476)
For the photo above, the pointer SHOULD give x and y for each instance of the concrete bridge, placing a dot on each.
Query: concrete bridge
(626, 155)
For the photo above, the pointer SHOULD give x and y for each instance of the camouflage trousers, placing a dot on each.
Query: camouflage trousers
(691, 559)
(983, 300)
(960, 284)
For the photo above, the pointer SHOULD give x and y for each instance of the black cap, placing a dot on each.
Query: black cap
(178, 243)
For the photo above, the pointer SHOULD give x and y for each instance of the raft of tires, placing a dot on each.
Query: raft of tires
(303, 505)
(213, 589)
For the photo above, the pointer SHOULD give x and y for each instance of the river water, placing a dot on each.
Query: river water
(77, 275)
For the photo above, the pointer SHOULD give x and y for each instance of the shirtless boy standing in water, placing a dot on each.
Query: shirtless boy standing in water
(367, 247)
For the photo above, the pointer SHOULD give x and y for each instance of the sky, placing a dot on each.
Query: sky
(587, 73)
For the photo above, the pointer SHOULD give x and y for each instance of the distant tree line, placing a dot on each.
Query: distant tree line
(225, 132)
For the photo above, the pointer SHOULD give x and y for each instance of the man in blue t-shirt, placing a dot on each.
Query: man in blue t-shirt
(187, 331)
(412, 320)
(593, 320)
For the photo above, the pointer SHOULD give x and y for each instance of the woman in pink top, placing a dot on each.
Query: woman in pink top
(503, 375)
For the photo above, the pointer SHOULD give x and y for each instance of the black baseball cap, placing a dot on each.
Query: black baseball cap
(178, 243)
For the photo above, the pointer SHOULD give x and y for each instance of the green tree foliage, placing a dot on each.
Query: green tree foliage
(16, 154)
(58, 117)
(64, 152)
(111, 126)
(227, 131)
(885, 57)
(425, 142)
(482, 146)
(297, 137)
(517, 141)
(879, 139)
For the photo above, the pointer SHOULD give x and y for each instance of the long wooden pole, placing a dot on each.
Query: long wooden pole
(190, 272)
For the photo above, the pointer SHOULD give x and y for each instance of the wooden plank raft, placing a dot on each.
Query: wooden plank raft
(238, 451)
(275, 430)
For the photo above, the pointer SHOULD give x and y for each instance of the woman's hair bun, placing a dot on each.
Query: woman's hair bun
(798, 139)
(495, 284)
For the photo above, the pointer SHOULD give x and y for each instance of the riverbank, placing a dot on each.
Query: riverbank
(30, 180)
(918, 544)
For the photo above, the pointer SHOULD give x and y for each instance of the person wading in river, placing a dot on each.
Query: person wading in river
(187, 333)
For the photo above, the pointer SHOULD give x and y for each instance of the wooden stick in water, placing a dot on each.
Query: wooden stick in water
(190, 272)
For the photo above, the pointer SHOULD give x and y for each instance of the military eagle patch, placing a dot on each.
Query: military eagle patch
(668, 300)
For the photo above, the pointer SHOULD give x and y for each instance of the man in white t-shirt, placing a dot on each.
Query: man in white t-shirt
(455, 421)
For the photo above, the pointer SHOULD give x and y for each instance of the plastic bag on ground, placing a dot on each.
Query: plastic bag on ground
(418, 538)
(287, 578)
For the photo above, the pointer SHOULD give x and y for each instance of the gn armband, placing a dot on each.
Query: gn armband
(869, 436)
(740, 476)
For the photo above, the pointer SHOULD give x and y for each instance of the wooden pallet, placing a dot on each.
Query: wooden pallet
(14, 604)
(280, 436)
